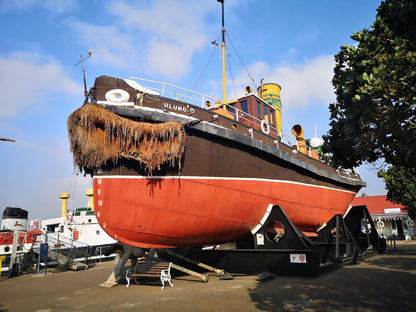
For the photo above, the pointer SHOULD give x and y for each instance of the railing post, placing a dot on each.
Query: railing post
(337, 239)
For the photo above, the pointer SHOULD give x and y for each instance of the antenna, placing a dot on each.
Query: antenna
(89, 52)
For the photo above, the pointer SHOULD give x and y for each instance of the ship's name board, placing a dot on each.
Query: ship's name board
(179, 108)
(392, 210)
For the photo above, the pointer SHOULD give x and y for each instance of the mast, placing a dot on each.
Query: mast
(223, 54)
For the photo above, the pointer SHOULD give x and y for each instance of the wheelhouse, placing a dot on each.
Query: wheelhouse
(261, 112)
(255, 113)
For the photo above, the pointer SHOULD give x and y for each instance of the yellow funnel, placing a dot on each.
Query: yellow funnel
(90, 194)
(270, 93)
(64, 197)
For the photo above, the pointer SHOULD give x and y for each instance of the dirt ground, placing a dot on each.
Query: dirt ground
(380, 283)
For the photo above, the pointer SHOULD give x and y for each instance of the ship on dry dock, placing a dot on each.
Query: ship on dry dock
(176, 168)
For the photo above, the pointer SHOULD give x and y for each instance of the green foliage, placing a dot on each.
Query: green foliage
(374, 116)
(401, 184)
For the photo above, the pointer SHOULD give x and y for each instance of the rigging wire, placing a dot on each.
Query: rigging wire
(231, 72)
(229, 57)
(285, 135)
(245, 68)
(72, 187)
(203, 71)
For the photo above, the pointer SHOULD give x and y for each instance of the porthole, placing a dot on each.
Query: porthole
(274, 231)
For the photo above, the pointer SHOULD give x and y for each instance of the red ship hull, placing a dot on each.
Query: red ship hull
(185, 211)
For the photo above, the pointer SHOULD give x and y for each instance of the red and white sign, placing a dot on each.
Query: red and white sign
(297, 258)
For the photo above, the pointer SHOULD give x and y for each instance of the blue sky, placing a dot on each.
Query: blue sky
(291, 43)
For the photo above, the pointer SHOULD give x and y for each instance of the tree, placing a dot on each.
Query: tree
(374, 116)
(401, 184)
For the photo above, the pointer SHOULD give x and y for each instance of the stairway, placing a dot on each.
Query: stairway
(67, 253)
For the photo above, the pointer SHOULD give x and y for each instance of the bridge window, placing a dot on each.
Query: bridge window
(265, 113)
(244, 107)
(268, 114)
(52, 227)
(271, 113)
(231, 109)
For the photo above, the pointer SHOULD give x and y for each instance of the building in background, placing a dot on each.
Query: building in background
(389, 218)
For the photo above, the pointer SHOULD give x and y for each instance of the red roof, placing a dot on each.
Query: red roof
(377, 204)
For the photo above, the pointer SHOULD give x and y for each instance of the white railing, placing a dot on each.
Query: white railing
(199, 99)
(177, 93)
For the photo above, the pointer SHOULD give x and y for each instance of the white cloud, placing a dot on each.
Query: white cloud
(158, 38)
(46, 197)
(41, 169)
(111, 46)
(41, 199)
(167, 59)
(293, 52)
(302, 84)
(28, 78)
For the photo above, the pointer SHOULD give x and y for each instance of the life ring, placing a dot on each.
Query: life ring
(70, 218)
(117, 96)
(265, 127)
(380, 223)
(410, 223)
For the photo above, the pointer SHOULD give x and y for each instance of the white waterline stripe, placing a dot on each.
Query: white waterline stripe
(216, 178)
(263, 220)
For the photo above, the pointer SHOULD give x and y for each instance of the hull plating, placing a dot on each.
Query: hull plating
(185, 211)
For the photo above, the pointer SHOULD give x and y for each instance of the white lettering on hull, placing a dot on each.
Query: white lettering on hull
(179, 108)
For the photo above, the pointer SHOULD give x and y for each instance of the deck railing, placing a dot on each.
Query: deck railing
(175, 92)
(199, 99)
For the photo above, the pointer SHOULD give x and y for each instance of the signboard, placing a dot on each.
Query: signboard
(297, 258)
(392, 210)
(14, 224)
(260, 239)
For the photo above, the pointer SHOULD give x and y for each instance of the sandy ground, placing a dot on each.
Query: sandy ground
(381, 283)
